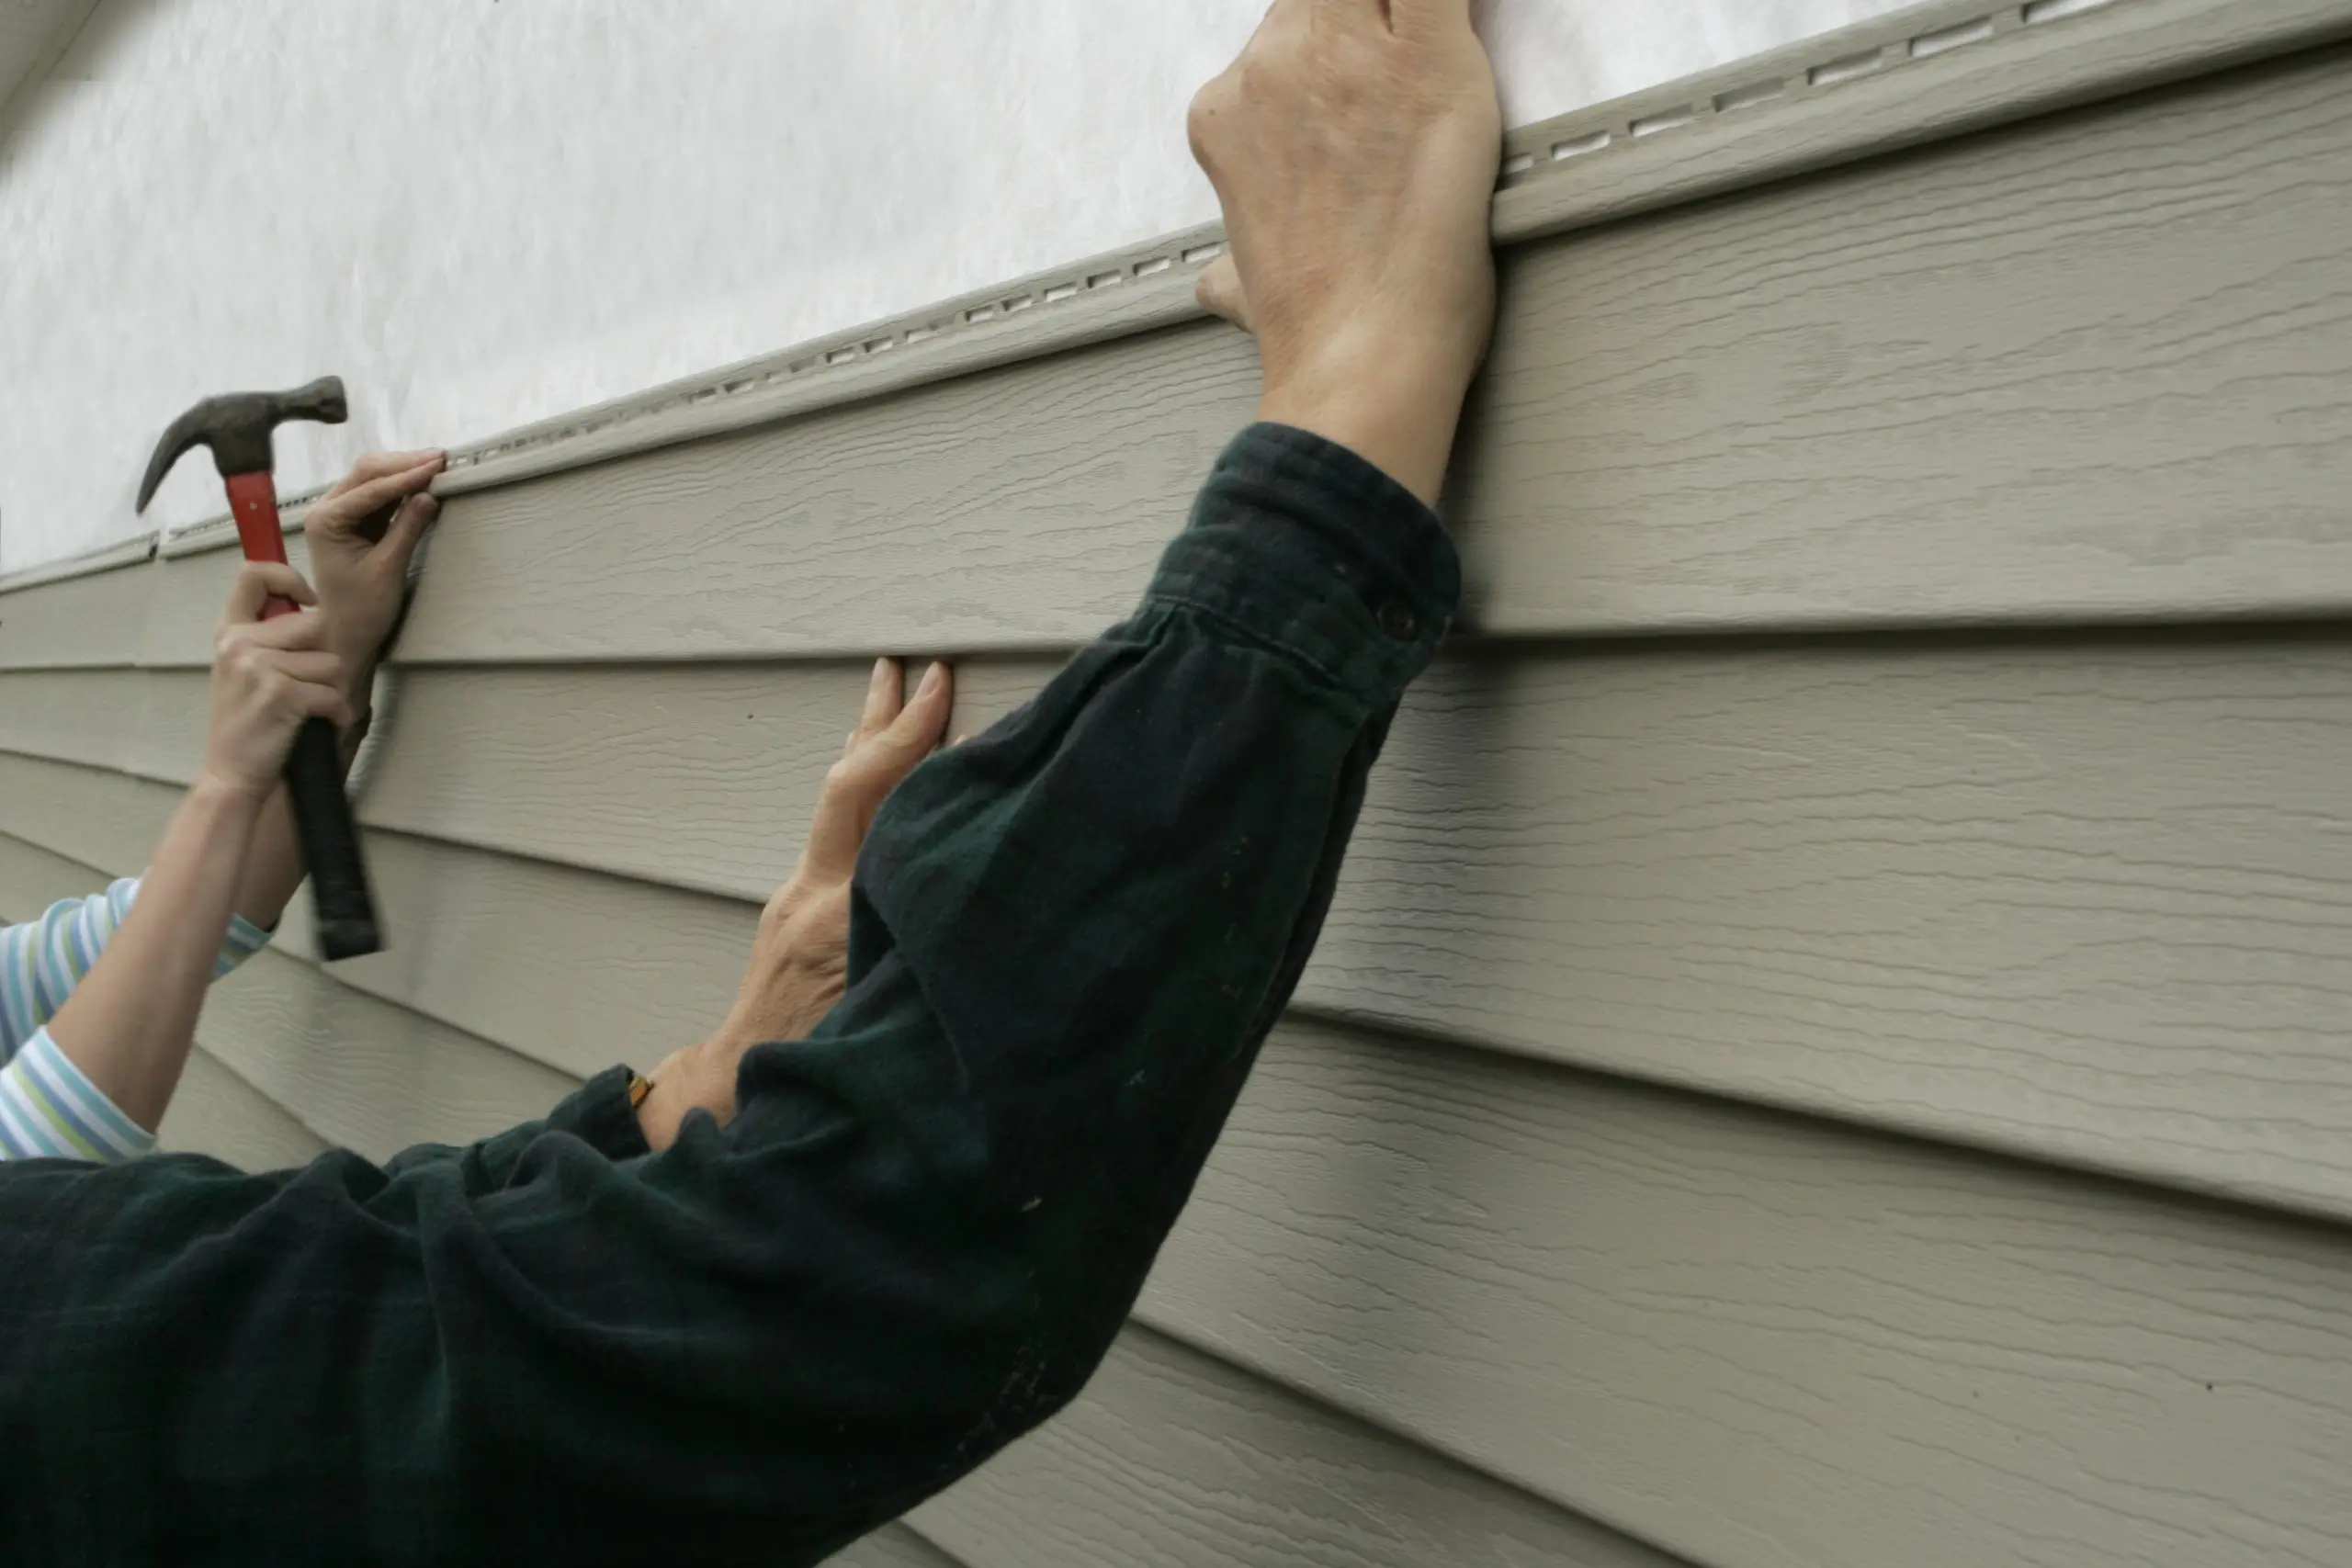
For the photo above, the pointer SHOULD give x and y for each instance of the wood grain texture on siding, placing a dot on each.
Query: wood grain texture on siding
(94, 815)
(2081, 899)
(2091, 365)
(141, 721)
(2086, 368)
(1022, 507)
(1762, 1340)
(216, 1113)
(572, 968)
(2085, 900)
(575, 970)
(98, 619)
(186, 598)
(1170, 1457)
(893, 1546)
(361, 1072)
(702, 777)
(32, 877)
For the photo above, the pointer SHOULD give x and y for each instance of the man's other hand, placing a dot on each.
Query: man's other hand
(801, 953)
(1355, 146)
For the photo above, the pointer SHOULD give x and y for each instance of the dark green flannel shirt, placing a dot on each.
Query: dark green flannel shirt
(914, 1242)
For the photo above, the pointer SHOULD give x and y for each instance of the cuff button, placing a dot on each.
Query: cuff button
(1396, 618)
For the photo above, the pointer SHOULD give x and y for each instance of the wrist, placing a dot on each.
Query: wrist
(694, 1078)
(227, 793)
(1410, 439)
(1395, 400)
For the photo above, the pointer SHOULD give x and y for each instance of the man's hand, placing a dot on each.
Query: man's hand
(801, 954)
(362, 533)
(1355, 146)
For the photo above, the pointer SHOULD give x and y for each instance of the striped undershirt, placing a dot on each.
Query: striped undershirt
(48, 1109)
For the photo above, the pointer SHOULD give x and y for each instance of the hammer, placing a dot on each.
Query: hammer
(237, 427)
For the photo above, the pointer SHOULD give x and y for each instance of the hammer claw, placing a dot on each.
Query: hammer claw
(237, 427)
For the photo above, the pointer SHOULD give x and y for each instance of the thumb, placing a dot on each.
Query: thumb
(407, 531)
(259, 581)
(1221, 294)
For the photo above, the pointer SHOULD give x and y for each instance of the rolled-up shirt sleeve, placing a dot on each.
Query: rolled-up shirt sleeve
(48, 1109)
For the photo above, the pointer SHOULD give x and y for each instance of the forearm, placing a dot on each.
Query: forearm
(127, 1025)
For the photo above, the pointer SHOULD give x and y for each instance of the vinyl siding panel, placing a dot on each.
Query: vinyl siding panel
(1830, 1049)
(99, 619)
(1767, 1340)
(1853, 877)
(94, 816)
(1174, 1457)
(218, 1113)
(895, 1546)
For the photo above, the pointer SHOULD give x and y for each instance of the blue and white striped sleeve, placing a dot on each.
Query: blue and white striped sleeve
(41, 963)
(49, 1111)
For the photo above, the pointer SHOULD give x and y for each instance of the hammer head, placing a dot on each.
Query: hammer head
(237, 426)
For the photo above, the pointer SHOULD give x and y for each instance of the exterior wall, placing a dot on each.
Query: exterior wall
(480, 214)
(1830, 1050)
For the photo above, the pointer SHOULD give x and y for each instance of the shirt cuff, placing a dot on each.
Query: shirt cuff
(49, 1111)
(1302, 543)
(244, 940)
(600, 1114)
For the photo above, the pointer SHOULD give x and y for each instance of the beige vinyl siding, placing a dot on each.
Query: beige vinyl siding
(1173, 1456)
(1854, 878)
(218, 1113)
(894, 1547)
(1831, 1048)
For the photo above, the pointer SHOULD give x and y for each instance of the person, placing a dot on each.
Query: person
(909, 1234)
(99, 997)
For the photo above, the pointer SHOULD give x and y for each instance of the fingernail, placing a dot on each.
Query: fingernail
(881, 676)
(934, 678)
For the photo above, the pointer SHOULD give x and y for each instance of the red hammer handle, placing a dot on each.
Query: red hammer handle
(253, 501)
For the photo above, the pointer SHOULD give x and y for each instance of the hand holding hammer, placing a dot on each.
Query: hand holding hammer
(239, 428)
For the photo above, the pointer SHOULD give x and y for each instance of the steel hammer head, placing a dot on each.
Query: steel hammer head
(237, 426)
